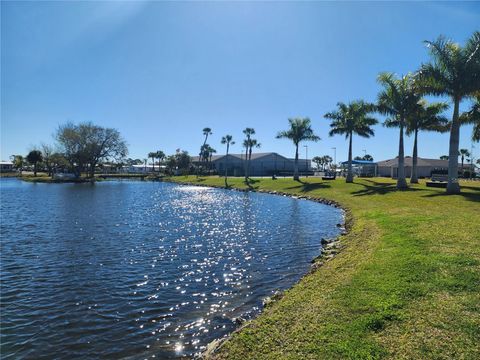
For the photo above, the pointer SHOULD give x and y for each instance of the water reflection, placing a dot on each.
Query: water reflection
(133, 269)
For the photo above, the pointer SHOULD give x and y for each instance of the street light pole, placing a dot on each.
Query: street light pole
(306, 158)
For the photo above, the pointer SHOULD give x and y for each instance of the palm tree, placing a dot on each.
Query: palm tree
(399, 101)
(319, 161)
(206, 132)
(227, 140)
(300, 130)
(454, 72)
(160, 155)
(426, 118)
(352, 119)
(464, 153)
(34, 157)
(152, 155)
(248, 145)
(473, 117)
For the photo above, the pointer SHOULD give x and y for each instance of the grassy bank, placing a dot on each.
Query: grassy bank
(405, 285)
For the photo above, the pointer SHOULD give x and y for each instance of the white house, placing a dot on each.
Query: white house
(6, 166)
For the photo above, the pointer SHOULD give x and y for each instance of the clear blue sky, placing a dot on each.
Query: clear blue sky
(161, 71)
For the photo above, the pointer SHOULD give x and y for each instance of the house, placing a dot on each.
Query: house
(425, 167)
(362, 168)
(6, 166)
(262, 164)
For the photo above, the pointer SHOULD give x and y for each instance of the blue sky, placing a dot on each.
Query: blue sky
(161, 71)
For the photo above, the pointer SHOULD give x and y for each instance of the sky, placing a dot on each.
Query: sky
(160, 72)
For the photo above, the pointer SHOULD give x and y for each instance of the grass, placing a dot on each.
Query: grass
(406, 284)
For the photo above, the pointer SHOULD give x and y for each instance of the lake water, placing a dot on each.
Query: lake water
(130, 269)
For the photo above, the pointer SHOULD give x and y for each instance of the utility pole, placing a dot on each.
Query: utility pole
(306, 158)
(335, 157)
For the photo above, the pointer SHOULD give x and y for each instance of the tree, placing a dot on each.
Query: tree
(300, 130)
(34, 157)
(427, 117)
(248, 144)
(398, 100)
(327, 160)
(152, 155)
(352, 119)
(47, 152)
(318, 161)
(17, 161)
(160, 155)
(358, 158)
(444, 157)
(227, 140)
(206, 132)
(473, 117)
(367, 157)
(464, 153)
(453, 72)
(88, 144)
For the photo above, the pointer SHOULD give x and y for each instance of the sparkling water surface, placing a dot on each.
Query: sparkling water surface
(130, 269)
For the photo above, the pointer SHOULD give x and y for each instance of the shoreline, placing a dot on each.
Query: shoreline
(329, 249)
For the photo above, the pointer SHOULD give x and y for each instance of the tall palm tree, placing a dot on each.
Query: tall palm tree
(206, 132)
(227, 140)
(300, 130)
(398, 100)
(427, 118)
(464, 153)
(247, 144)
(152, 155)
(160, 155)
(352, 119)
(454, 72)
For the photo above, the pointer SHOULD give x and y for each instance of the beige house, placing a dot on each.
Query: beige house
(425, 167)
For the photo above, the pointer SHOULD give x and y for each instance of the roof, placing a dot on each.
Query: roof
(255, 156)
(360, 162)
(435, 163)
(6, 163)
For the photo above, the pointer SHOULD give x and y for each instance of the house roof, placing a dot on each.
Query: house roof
(435, 163)
(6, 163)
(255, 156)
(360, 162)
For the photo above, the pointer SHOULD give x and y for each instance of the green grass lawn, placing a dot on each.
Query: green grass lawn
(406, 284)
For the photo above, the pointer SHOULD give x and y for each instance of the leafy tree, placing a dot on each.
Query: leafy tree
(300, 130)
(47, 152)
(34, 157)
(318, 161)
(398, 100)
(427, 117)
(327, 160)
(227, 140)
(444, 157)
(453, 72)
(88, 144)
(17, 161)
(358, 158)
(352, 119)
(367, 157)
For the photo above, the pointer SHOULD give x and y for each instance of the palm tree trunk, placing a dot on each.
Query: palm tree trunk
(153, 164)
(295, 165)
(414, 178)
(249, 159)
(453, 187)
(401, 182)
(226, 164)
(246, 164)
(35, 169)
(350, 170)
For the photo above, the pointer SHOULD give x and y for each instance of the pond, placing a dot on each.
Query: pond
(131, 269)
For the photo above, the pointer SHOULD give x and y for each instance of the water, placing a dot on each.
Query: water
(127, 269)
